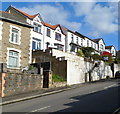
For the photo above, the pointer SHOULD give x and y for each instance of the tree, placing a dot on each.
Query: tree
(87, 51)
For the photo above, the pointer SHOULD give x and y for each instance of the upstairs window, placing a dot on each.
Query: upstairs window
(88, 43)
(13, 59)
(95, 46)
(57, 36)
(77, 40)
(48, 32)
(37, 28)
(72, 38)
(15, 36)
(91, 44)
(81, 42)
(36, 44)
(101, 47)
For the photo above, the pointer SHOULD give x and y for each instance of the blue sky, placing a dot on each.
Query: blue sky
(92, 19)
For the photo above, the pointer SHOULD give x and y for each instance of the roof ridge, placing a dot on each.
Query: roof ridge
(51, 26)
(26, 14)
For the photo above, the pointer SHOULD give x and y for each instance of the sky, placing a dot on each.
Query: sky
(92, 19)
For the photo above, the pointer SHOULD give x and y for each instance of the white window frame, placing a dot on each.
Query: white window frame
(39, 27)
(1, 23)
(19, 61)
(88, 43)
(77, 40)
(81, 42)
(37, 41)
(47, 32)
(72, 38)
(19, 35)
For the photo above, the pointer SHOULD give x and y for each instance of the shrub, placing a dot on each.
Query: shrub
(87, 51)
(57, 78)
(80, 53)
(110, 59)
(117, 60)
(96, 57)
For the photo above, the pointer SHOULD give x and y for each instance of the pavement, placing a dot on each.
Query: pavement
(42, 92)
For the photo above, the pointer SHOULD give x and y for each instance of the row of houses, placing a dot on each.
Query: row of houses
(21, 33)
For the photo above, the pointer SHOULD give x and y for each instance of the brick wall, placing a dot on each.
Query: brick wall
(16, 83)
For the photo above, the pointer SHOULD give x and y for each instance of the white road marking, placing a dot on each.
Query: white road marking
(38, 109)
(110, 86)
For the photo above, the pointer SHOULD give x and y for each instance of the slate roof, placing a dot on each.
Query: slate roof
(109, 47)
(5, 16)
(54, 27)
(98, 39)
(25, 14)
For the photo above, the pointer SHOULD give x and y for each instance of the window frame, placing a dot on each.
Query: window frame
(37, 27)
(18, 34)
(88, 43)
(19, 56)
(77, 41)
(57, 38)
(81, 42)
(37, 42)
(49, 35)
(72, 38)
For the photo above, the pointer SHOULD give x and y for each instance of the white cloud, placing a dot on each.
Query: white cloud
(100, 19)
(82, 8)
(53, 14)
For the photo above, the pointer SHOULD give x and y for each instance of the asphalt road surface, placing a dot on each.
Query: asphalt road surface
(94, 97)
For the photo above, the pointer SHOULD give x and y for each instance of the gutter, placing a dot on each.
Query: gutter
(14, 21)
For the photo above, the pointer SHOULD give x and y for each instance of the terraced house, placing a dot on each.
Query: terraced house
(45, 36)
(14, 41)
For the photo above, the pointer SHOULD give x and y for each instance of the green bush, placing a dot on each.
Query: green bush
(87, 51)
(80, 53)
(96, 57)
(57, 78)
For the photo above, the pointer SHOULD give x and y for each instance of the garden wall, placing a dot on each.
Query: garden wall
(16, 83)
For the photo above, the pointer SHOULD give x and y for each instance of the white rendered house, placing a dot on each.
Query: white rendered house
(111, 49)
(75, 40)
(54, 37)
(101, 44)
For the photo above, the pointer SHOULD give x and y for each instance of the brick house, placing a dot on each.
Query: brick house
(14, 41)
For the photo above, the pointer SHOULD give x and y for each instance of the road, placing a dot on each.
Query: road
(94, 97)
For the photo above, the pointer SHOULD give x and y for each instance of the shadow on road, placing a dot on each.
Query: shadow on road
(106, 100)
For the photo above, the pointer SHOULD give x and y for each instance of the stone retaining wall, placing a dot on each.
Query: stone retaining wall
(16, 83)
(58, 84)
